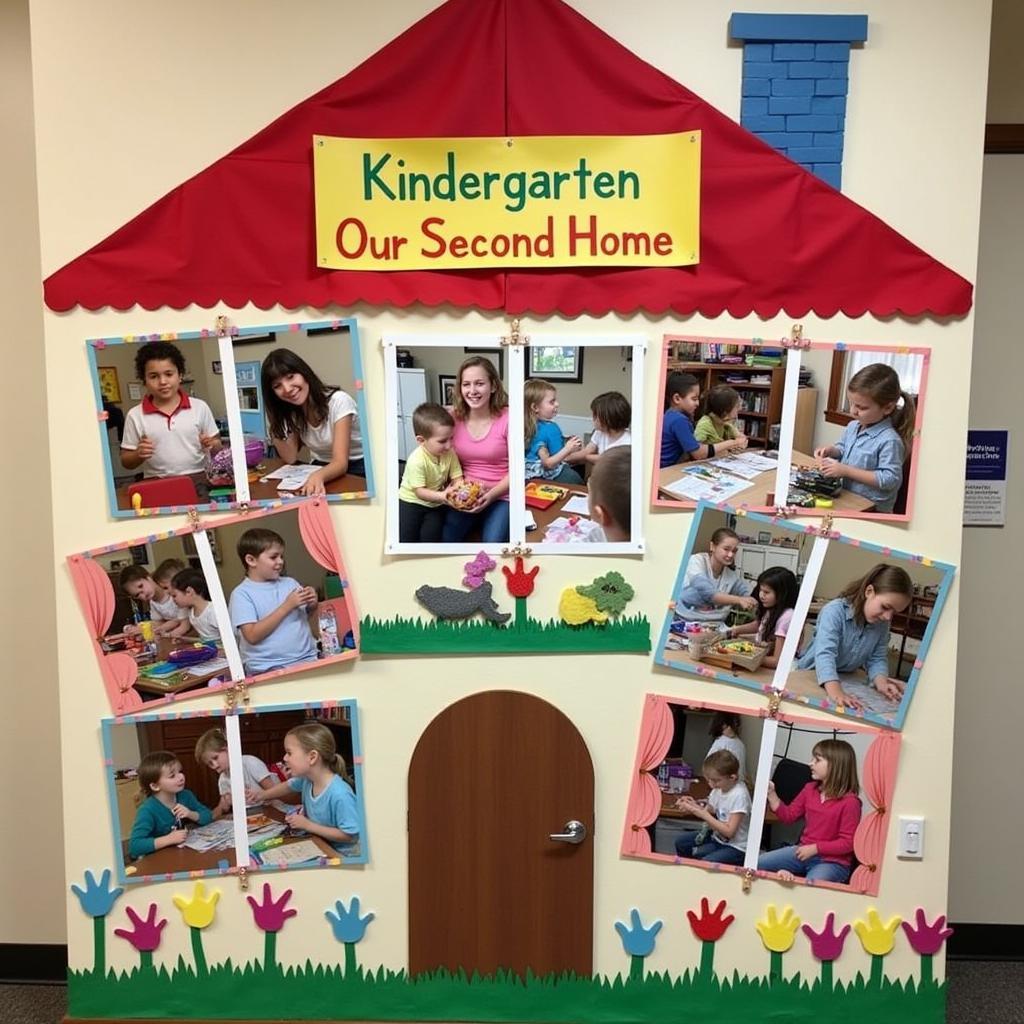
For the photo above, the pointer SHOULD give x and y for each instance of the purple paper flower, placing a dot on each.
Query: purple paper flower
(927, 939)
(826, 944)
(270, 915)
(143, 935)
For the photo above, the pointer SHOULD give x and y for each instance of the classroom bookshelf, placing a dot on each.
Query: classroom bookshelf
(760, 389)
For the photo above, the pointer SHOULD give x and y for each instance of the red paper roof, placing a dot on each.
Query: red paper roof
(773, 236)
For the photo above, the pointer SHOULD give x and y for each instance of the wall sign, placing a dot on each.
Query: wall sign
(985, 494)
(425, 204)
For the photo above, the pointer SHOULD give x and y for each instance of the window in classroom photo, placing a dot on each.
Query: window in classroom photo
(581, 458)
(302, 408)
(179, 613)
(864, 407)
(720, 422)
(161, 420)
(817, 815)
(175, 784)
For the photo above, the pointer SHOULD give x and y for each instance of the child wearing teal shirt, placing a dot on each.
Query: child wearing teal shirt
(161, 817)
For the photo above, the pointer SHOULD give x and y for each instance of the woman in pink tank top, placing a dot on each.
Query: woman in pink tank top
(480, 440)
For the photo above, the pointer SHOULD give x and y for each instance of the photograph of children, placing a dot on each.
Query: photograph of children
(287, 594)
(704, 778)
(300, 395)
(158, 449)
(870, 623)
(449, 462)
(734, 597)
(170, 785)
(821, 801)
(720, 422)
(861, 418)
(578, 449)
(157, 635)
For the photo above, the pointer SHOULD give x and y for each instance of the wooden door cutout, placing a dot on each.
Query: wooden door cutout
(491, 779)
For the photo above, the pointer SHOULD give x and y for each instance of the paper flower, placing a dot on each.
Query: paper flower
(520, 582)
(348, 927)
(143, 935)
(709, 928)
(778, 933)
(826, 946)
(637, 941)
(477, 570)
(97, 900)
(926, 940)
(877, 940)
(198, 912)
(610, 592)
(270, 916)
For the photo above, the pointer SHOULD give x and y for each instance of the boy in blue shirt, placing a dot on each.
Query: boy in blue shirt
(682, 400)
(270, 612)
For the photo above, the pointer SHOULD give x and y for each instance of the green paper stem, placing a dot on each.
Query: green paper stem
(826, 974)
(99, 945)
(197, 951)
(521, 617)
(877, 970)
(145, 959)
(775, 969)
(636, 967)
(351, 966)
(926, 969)
(269, 950)
(707, 959)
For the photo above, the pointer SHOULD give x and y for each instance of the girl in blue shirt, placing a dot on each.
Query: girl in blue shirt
(329, 805)
(852, 633)
(682, 399)
(870, 455)
(548, 453)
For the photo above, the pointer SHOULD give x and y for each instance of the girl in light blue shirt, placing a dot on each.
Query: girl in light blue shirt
(852, 633)
(870, 455)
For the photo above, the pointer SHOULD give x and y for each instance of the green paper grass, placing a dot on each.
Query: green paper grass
(629, 634)
(328, 993)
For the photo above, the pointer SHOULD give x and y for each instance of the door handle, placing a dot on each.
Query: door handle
(575, 832)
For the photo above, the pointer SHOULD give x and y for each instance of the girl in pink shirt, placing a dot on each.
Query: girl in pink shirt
(480, 440)
(830, 807)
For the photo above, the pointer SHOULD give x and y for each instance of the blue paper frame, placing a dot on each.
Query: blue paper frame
(707, 674)
(356, 768)
(94, 346)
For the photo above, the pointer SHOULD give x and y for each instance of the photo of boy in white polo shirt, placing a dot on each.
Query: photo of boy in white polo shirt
(170, 431)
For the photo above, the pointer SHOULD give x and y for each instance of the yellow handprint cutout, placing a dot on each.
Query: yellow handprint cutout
(877, 938)
(198, 911)
(778, 934)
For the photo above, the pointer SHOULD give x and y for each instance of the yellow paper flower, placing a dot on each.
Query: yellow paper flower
(778, 934)
(877, 938)
(198, 911)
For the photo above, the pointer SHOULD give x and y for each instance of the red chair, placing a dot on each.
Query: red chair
(163, 491)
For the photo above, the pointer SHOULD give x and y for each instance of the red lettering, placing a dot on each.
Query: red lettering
(360, 229)
(433, 254)
(663, 243)
(589, 235)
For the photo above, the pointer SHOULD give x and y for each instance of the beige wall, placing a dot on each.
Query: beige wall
(29, 734)
(89, 123)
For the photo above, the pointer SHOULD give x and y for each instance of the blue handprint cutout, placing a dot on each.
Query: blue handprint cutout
(348, 927)
(97, 898)
(637, 940)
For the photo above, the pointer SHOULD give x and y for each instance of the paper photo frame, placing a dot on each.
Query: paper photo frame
(793, 405)
(217, 841)
(550, 516)
(229, 458)
(675, 739)
(150, 655)
(889, 637)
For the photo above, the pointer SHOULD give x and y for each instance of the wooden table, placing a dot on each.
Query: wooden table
(180, 858)
(699, 790)
(760, 677)
(544, 517)
(348, 484)
(186, 678)
(762, 486)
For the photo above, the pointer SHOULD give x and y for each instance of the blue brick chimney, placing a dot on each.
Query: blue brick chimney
(796, 73)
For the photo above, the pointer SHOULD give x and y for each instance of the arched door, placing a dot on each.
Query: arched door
(491, 779)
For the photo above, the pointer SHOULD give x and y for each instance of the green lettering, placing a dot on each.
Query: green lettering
(371, 177)
(469, 185)
(604, 185)
(630, 176)
(515, 190)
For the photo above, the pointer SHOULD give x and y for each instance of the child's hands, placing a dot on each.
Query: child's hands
(748, 603)
(209, 442)
(131, 629)
(771, 788)
(831, 468)
(806, 852)
(181, 811)
(826, 451)
(835, 692)
(177, 837)
(224, 804)
(146, 448)
(738, 443)
(253, 796)
(315, 484)
(300, 597)
(573, 444)
(786, 876)
(688, 804)
(890, 688)
(296, 820)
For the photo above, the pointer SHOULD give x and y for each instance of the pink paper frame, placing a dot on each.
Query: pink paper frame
(879, 783)
(96, 597)
(831, 346)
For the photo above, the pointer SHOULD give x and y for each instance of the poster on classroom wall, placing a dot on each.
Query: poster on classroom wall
(985, 491)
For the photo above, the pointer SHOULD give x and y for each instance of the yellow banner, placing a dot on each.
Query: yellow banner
(541, 201)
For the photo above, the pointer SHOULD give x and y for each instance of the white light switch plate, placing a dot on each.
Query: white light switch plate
(911, 844)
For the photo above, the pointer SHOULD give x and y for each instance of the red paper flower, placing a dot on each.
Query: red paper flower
(269, 915)
(827, 944)
(520, 583)
(144, 935)
(927, 939)
(710, 926)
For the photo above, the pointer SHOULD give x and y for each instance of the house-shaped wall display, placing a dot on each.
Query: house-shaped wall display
(515, 865)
